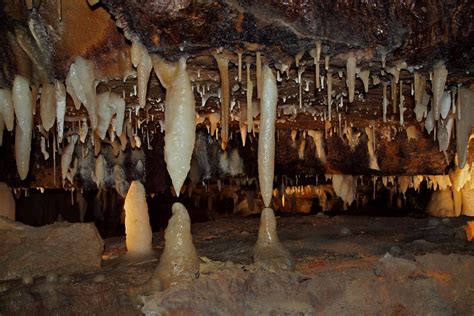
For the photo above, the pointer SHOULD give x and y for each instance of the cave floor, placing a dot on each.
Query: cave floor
(345, 265)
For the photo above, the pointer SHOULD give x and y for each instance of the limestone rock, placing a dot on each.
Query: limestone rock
(37, 251)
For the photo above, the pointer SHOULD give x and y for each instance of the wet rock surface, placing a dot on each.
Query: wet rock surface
(28, 252)
(334, 274)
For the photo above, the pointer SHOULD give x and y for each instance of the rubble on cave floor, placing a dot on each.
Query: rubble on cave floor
(379, 265)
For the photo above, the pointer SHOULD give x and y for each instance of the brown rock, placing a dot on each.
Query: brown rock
(58, 248)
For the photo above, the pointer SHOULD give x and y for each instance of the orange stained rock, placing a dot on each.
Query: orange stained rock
(469, 230)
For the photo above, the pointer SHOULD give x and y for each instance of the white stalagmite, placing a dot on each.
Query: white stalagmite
(23, 103)
(350, 77)
(440, 73)
(464, 123)
(269, 251)
(138, 235)
(180, 117)
(441, 204)
(81, 77)
(179, 261)
(142, 61)
(223, 65)
(66, 156)
(7, 202)
(48, 106)
(467, 201)
(6, 108)
(60, 94)
(266, 139)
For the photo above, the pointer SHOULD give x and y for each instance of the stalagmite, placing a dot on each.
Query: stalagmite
(269, 252)
(467, 201)
(350, 76)
(138, 235)
(179, 119)
(66, 156)
(441, 204)
(7, 202)
(249, 100)
(99, 172)
(329, 90)
(82, 78)
(142, 61)
(179, 261)
(6, 108)
(318, 141)
(266, 139)
(223, 65)
(439, 79)
(464, 123)
(373, 164)
(23, 103)
(48, 106)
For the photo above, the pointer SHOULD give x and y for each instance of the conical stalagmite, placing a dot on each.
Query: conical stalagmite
(179, 261)
(137, 222)
(269, 252)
